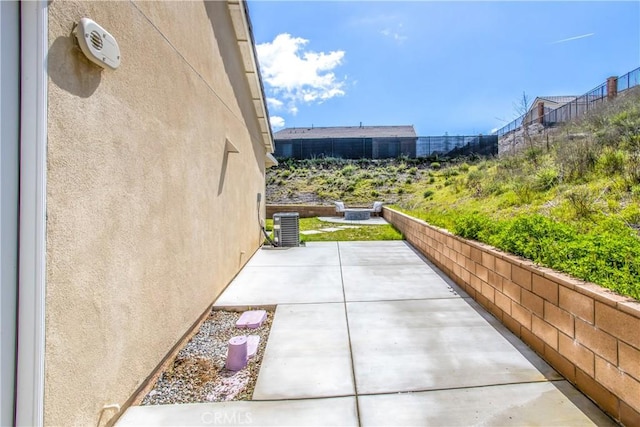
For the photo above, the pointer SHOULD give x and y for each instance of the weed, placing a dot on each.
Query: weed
(632, 169)
(577, 158)
(524, 191)
(348, 170)
(474, 182)
(612, 161)
(427, 194)
(582, 202)
(449, 172)
(546, 179)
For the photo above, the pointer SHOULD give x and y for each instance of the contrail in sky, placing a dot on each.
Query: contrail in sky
(572, 38)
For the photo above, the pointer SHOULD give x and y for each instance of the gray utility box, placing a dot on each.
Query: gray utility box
(286, 229)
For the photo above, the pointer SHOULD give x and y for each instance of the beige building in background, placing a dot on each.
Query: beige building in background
(141, 194)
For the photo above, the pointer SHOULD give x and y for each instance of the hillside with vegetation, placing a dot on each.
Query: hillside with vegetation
(570, 201)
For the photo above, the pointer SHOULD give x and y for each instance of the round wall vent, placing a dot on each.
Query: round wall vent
(97, 44)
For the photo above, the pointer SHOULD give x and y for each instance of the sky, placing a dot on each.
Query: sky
(447, 67)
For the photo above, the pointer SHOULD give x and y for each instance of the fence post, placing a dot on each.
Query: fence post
(541, 112)
(612, 87)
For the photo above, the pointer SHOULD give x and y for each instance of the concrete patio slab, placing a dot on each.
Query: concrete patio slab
(430, 344)
(541, 404)
(388, 282)
(416, 348)
(378, 253)
(385, 244)
(256, 286)
(314, 253)
(339, 411)
(307, 354)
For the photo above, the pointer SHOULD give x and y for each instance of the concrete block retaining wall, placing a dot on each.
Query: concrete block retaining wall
(588, 334)
(305, 211)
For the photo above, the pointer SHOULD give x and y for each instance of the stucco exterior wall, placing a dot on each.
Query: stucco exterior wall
(147, 218)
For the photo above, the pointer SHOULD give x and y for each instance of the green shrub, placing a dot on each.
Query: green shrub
(524, 191)
(577, 158)
(449, 172)
(496, 187)
(435, 165)
(432, 180)
(474, 182)
(632, 169)
(473, 226)
(612, 161)
(427, 194)
(631, 214)
(533, 154)
(348, 170)
(532, 236)
(607, 255)
(464, 167)
(546, 179)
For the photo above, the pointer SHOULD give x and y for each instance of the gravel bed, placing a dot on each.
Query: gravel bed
(198, 373)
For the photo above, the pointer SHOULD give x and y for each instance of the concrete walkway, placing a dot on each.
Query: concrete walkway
(369, 333)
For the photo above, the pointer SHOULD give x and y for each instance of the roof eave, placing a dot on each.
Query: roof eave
(244, 36)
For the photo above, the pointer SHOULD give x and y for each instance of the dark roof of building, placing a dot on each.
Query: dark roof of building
(346, 132)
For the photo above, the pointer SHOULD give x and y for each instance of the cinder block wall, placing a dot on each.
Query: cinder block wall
(305, 211)
(588, 334)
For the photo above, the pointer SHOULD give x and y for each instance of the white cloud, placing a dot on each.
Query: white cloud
(293, 75)
(276, 122)
(395, 35)
(274, 103)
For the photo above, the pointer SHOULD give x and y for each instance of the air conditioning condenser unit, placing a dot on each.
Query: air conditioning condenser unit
(286, 229)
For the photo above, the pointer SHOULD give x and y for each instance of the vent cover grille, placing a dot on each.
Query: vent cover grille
(96, 40)
(286, 228)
